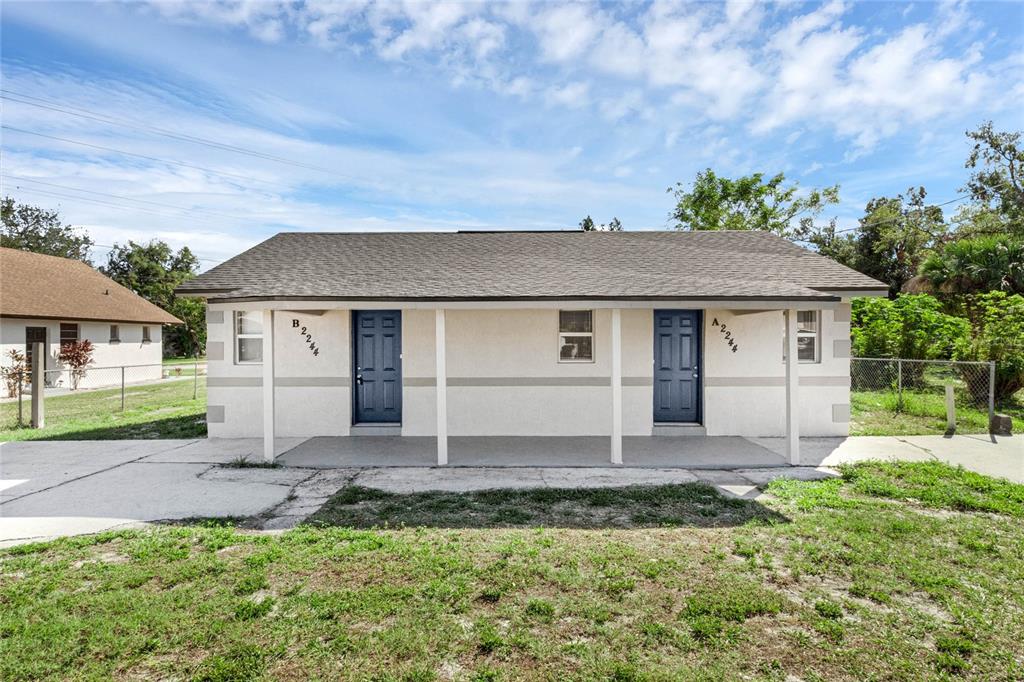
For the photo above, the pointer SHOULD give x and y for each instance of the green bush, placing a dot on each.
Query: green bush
(998, 334)
(912, 326)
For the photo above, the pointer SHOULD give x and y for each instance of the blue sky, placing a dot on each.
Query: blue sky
(439, 116)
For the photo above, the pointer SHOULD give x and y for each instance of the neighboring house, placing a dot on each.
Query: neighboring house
(529, 334)
(57, 300)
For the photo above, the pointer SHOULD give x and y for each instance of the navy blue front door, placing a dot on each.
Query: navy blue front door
(377, 335)
(677, 365)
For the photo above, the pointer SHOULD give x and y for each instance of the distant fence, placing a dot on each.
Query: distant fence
(93, 392)
(894, 396)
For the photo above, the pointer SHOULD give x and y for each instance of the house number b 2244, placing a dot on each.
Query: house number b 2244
(303, 332)
(726, 334)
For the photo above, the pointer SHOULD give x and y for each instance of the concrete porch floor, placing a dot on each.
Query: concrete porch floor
(656, 452)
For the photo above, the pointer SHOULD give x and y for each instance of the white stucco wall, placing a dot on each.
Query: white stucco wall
(504, 377)
(108, 357)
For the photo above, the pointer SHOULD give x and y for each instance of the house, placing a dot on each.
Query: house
(56, 300)
(529, 333)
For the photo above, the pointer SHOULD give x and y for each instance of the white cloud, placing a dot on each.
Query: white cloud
(573, 95)
(565, 31)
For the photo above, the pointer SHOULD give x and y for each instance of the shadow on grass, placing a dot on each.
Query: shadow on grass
(688, 504)
(183, 426)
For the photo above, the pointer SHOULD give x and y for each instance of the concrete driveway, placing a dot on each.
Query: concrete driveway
(54, 488)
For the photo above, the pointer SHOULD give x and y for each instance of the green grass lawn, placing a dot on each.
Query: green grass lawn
(874, 413)
(164, 410)
(894, 572)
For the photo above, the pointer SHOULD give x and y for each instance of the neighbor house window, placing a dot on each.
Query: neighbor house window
(68, 333)
(575, 335)
(145, 334)
(115, 334)
(248, 337)
(808, 330)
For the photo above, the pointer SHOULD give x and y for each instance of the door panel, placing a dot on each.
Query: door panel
(677, 387)
(378, 366)
(32, 335)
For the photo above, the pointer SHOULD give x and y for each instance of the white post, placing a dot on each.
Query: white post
(616, 347)
(38, 380)
(268, 386)
(950, 409)
(792, 390)
(442, 387)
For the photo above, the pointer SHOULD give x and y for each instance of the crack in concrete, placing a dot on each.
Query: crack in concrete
(98, 471)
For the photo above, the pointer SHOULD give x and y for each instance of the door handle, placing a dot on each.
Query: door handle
(694, 375)
(359, 379)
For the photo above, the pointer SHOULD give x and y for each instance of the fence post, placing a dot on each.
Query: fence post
(195, 379)
(950, 409)
(899, 385)
(122, 388)
(21, 383)
(991, 395)
(38, 379)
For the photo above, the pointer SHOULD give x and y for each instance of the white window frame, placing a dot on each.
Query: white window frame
(558, 327)
(816, 335)
(115, 333)
(238, 336)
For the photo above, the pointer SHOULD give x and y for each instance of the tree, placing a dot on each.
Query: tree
(15, 375)
(895, 236)
(997, 180)
(997, 319)
(748, 203)
(588, 225)
(40, 230)
(911, 326)
(77, 356)
(153, 270)
(977, 265)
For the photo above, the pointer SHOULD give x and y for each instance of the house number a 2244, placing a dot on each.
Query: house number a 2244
(726, 334)
(304, 333)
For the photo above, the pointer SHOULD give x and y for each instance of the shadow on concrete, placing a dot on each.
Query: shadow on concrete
(662, 452)
(684, 505)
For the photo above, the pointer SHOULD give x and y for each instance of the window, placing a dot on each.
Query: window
(68, 333)
(115, 334)
(807, 330)
(248, 337)
(145, 334)
(575, 335)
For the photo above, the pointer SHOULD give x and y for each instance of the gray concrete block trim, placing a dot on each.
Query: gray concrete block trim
(234, 382)
(214, 414)
(343, 382)
(756, 382)
(841, 348)
(214, 317)
(215, 351)
(526, 381)
(840, 413)
(841, 313)
(419, 381)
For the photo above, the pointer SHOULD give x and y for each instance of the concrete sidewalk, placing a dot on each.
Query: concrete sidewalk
(53, 488)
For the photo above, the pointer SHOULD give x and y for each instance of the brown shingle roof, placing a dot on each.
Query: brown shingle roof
(526, 265)
(34, 285)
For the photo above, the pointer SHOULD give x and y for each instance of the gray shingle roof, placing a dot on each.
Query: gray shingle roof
(525, 265)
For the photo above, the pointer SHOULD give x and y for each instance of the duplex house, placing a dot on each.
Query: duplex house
(529, 334)
(58, 300)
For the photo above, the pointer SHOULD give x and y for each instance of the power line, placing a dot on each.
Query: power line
(17, 178)
(114, 246)
(102, 118)
(140, 156)
(892, 220)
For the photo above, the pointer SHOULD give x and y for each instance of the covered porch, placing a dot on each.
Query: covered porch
(416, 449)
(655, 452)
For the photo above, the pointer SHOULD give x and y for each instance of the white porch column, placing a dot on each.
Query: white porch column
(442, 387)
(792, 389)
(268, 386)
(616, 347)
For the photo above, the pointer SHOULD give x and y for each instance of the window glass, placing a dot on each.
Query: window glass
(248, 336)
(575, 321)
(68, 333)
(248, 322)
(807, 346)
(145, 334)
(575, 336)
(115, 333)
(250, 349)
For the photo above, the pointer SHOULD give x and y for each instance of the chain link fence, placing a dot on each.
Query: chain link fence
(893, 396)
(92, 400)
